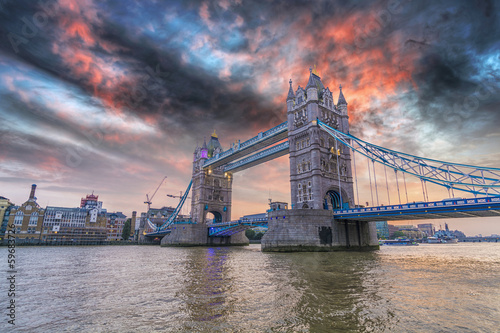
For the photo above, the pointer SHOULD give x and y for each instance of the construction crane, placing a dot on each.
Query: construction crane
(177, 196)
(148, 199)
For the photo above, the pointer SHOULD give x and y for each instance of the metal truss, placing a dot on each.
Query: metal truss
(233, 227)
(454, 176)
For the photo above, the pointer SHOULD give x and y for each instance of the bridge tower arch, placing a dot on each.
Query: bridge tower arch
(317, 162)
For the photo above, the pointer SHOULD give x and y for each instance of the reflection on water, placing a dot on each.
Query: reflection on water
(429, 288)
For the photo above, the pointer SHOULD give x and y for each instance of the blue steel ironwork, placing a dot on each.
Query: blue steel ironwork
(233, 227)
(173, 216)
(474, 207)
(258, 156)
(462, 177)
(283, 127)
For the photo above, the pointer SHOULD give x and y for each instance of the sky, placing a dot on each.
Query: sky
(112, 96)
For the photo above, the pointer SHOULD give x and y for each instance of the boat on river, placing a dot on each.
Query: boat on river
(443, 237)
(398, 242)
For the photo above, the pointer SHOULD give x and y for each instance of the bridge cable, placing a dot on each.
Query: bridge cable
(370, 176)
(337, 152)
(397, 184)
(406, 190)
(355, 175)
(375, 178)
(387, 184)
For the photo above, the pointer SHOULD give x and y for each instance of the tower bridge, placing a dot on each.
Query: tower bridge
(325, 213)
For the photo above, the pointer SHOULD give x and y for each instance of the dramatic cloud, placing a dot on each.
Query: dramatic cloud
(113, 95)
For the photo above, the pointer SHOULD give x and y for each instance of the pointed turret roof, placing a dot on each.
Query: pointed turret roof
(315, 81)
(291, 95)
(310, 83)
(204, 144)
(342, 100)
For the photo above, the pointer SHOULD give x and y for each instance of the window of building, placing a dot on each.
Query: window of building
(33, 219)
(18, 219)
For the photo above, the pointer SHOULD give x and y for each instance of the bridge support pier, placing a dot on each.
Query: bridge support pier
(197, 235)
(311, 230)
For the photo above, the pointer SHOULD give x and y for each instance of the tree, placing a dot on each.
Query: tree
(397, 234)
(250, 234)
(126, 230)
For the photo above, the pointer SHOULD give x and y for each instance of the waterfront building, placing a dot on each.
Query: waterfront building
(427, 228)
(382, 229)
(5, 207)
(27, 219)
(114, 225)
(392, 229)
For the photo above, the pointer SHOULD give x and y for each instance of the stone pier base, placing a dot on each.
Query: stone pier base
(197, 235)
(315, 230)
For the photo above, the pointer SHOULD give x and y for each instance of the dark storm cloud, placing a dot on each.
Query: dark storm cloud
(191, 92)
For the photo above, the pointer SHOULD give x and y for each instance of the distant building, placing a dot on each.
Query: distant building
(427, 229)
(158, 216)
(382, 229)
(276, 205)
(27, 220)
(392, 230)
(133, 224)
(407, 227)
(5, 207)
(114, 225)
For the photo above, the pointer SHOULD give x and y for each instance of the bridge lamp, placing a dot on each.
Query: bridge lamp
(209, 171)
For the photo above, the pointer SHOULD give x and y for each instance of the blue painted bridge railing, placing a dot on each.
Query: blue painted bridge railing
(230, 228)
(450, 208)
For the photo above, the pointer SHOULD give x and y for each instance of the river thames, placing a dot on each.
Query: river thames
(426, 288)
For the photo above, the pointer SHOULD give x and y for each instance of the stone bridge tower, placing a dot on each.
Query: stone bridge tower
(320, 168)
(211, 189)
(320, 179)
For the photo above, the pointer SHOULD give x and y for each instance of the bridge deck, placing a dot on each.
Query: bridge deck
(258, 158)
(478, 207)
(258, 142)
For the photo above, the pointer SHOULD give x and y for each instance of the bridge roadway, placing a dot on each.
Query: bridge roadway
(476, 207)
(458, 208)
(261, 140)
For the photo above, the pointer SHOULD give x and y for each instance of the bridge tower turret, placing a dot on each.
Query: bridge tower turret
(320, 169)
